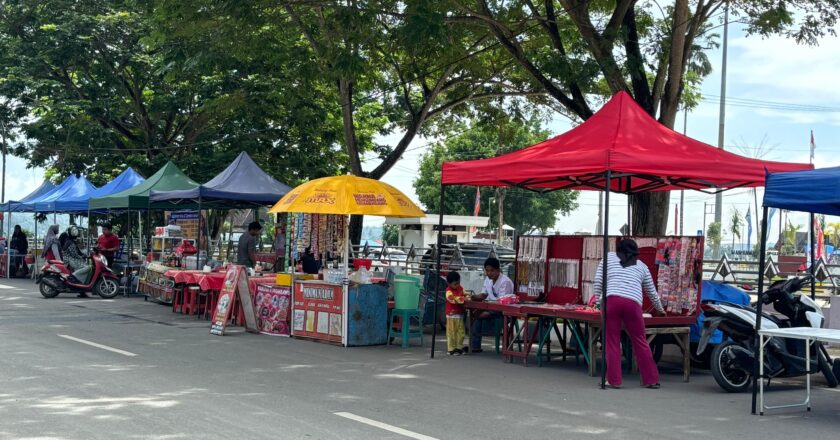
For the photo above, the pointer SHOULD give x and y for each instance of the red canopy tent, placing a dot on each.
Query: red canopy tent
(641, 154)
(621, 148)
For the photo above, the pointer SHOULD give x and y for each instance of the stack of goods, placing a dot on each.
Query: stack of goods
(531, 265)
(593, 251)
(677, 261)
(323, 233)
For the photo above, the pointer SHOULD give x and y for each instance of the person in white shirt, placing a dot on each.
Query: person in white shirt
(496, 285)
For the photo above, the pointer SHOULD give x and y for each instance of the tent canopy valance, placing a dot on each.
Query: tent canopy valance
(641, 154)
(816, 191)
(242, 184)
(126, 180)
(167, 178)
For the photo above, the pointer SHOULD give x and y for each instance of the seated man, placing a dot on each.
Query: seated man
(496, 285)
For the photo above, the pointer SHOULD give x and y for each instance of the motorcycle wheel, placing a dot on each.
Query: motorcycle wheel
(826, 369)
(836, 368)
(702, 360)
(47, 291)
(728, 376)
(106, 288)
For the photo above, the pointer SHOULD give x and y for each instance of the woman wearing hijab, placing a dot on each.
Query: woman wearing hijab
(21, 245)
(52, 248)
(626, 278)
(71, 252)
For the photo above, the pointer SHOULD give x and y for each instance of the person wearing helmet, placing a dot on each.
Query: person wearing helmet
(73, 256)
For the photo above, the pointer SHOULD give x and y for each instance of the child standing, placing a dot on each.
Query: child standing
(454, 314)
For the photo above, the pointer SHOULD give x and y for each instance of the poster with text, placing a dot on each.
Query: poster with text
(224, 307)
(273, 305)
(323, 307)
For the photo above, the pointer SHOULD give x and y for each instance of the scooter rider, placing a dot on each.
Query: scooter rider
(73, 256)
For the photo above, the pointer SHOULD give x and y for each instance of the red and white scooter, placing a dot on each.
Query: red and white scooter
(55, 278)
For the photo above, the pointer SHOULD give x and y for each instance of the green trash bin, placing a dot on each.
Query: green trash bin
(406, 294)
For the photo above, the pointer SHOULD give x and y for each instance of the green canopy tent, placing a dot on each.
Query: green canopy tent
(167, 178)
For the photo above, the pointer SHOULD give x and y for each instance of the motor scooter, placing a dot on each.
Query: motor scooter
(733, 360)
(55, 278)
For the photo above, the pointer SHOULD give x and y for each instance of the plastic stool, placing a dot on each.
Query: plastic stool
(212, 302)
(405, 333)
(191, 300)
(177, 300)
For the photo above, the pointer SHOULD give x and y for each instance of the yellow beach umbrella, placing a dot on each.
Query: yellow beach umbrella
(348, 195)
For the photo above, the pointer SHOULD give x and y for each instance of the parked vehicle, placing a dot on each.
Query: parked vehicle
(733, 360)
(56, 278)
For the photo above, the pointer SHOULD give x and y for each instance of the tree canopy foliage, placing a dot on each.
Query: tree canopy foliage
(526, 211)
(313, 88)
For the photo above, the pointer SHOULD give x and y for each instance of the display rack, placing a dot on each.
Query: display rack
(566, 267)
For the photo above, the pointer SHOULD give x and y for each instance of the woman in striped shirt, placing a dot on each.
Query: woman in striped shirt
(626, 277)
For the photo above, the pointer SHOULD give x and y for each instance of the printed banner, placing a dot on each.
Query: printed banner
(318, 311)
(236, 283)
(273, 305)
(183, 215)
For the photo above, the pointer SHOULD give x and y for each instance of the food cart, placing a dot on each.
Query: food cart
(332, 309)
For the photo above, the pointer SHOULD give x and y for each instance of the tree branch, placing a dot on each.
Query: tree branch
(635, 64)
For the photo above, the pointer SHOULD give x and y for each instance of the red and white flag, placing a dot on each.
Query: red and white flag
(813, 146)
(477, 207)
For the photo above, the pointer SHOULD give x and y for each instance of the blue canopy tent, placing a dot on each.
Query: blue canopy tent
(80, 188)
(15, 205)
(242, 184)
(29, 205)
(813, 191)
(80, 203)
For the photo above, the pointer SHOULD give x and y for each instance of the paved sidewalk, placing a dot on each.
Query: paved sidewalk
(143, 372)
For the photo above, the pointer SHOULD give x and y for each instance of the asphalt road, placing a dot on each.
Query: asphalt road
(127, 369)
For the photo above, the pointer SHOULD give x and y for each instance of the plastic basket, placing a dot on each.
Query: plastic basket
(406, 295)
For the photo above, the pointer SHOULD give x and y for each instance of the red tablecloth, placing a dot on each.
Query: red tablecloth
(183, 276)
(213, 280)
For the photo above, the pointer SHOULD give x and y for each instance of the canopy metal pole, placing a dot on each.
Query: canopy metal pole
(35, 246)
(9, 245)
(345, 284)
(629, 209)
(89, 233)
(762, 256)
(439, 272)
(604, 281)
(127, 290)
(813, 271)
(198, 254)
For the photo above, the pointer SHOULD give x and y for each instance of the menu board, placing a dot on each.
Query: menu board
(236, 283)
(273, 307)
(318, 311)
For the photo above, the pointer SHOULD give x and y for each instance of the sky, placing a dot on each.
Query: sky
(763, 71)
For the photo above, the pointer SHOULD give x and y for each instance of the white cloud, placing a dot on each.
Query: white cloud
(21, 181)
(797, 73)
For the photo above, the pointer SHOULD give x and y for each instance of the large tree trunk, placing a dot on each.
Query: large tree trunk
(650, 212)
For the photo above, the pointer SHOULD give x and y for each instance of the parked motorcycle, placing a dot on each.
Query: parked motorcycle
(55, 278)
(733, 360)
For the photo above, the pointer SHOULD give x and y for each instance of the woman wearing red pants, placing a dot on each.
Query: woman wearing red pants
(626, 278)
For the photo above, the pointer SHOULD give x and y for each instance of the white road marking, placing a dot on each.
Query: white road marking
(94, 344)
(3, 286)
(385, 426)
